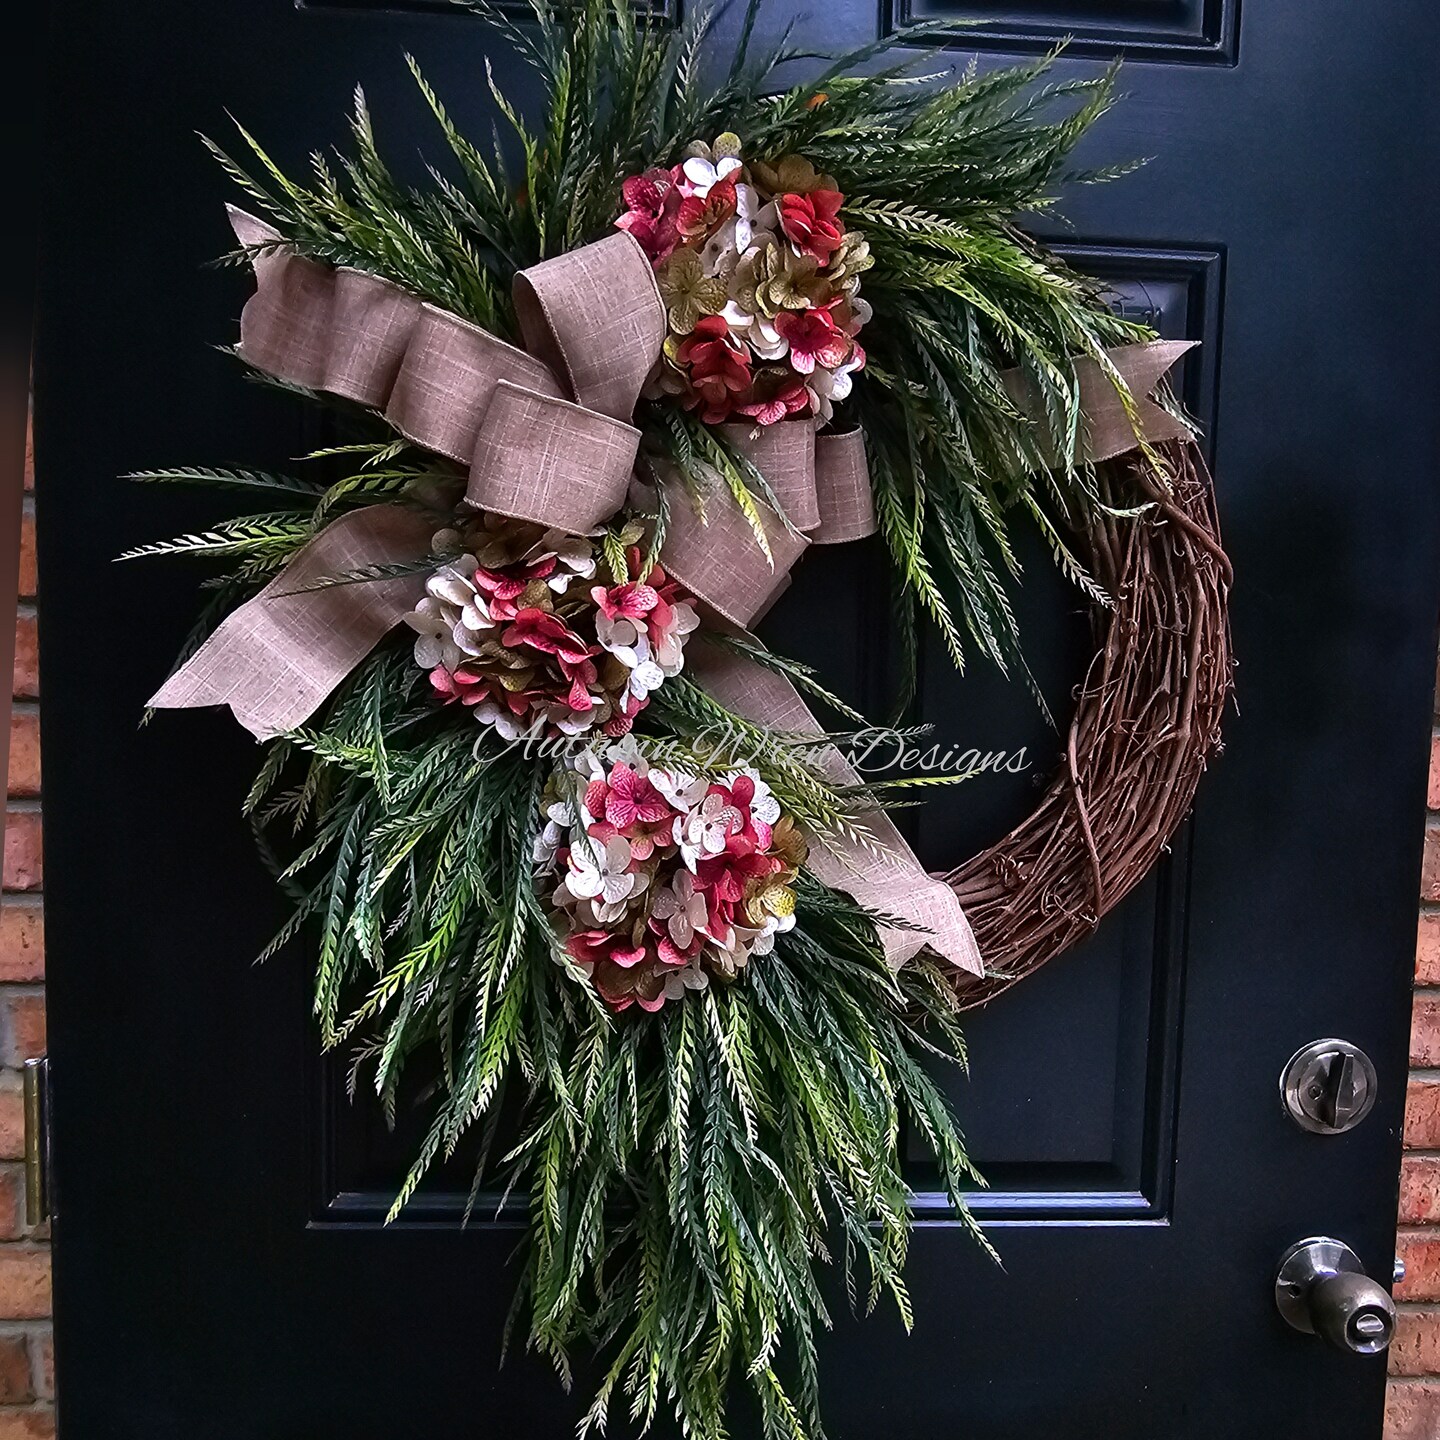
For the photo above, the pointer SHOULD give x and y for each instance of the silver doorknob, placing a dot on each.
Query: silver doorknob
(1322, 1289)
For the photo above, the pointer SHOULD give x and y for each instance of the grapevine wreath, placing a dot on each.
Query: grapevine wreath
(558, 822)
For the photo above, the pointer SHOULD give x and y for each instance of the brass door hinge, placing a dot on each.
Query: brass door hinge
(37, 1142)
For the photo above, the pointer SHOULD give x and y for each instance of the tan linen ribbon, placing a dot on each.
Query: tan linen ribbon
(275, 658)
(886, 877)
(454, 388)
(823, 487)
(1108, 429)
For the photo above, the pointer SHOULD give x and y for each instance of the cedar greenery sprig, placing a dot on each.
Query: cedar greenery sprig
(683, 1174)
(750, 1132)
(936, 171)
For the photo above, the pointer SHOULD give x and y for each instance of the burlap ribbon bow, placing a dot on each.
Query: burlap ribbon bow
(547, 437)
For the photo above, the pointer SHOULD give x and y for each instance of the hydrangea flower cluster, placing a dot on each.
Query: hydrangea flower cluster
(761, 282)
(665, 881)
(518, 624)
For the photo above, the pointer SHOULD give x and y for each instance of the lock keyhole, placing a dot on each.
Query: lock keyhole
(1336, 1095)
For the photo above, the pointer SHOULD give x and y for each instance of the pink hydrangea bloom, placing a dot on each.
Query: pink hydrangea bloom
(814, 338)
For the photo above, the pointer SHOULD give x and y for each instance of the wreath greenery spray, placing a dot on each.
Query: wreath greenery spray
(686, 1164)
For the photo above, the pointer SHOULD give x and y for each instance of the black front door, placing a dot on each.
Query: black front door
(219, 1202)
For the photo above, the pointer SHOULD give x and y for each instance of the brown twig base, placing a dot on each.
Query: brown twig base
(1147, 720)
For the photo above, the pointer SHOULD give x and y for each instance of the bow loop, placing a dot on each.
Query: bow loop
(447, 380)
(822, 485)
(543, 459)
(595, 317)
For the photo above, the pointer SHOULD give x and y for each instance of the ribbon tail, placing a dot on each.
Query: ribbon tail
(276, 658)
(883, 876)
(1109, 429)
(844, 494)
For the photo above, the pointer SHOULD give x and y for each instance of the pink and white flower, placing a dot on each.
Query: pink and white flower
(507, 724)
(599, 870)
(453, 619)
(663, 882)
(587, 948)
(814, 339)
(559, 817)
(504, 629)
(832, 385)
(706, 830)
(668, 633)
(652, 201)
(645, 674)
(574, 557)
(758, 332)
(628, 797)
(703, 173)
(762, 279)
(681, 910)
(682, 790)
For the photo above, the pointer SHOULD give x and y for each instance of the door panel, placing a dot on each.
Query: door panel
(1185, 32)
(218, 1198)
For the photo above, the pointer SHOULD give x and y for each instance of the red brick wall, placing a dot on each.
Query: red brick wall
(1414, 1407)
(26, 1362)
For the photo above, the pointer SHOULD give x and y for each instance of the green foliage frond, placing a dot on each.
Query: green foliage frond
(683, 1173)
(278, 533)
(304, 490)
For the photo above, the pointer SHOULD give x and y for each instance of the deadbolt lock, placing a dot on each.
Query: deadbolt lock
(1328, 1087)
